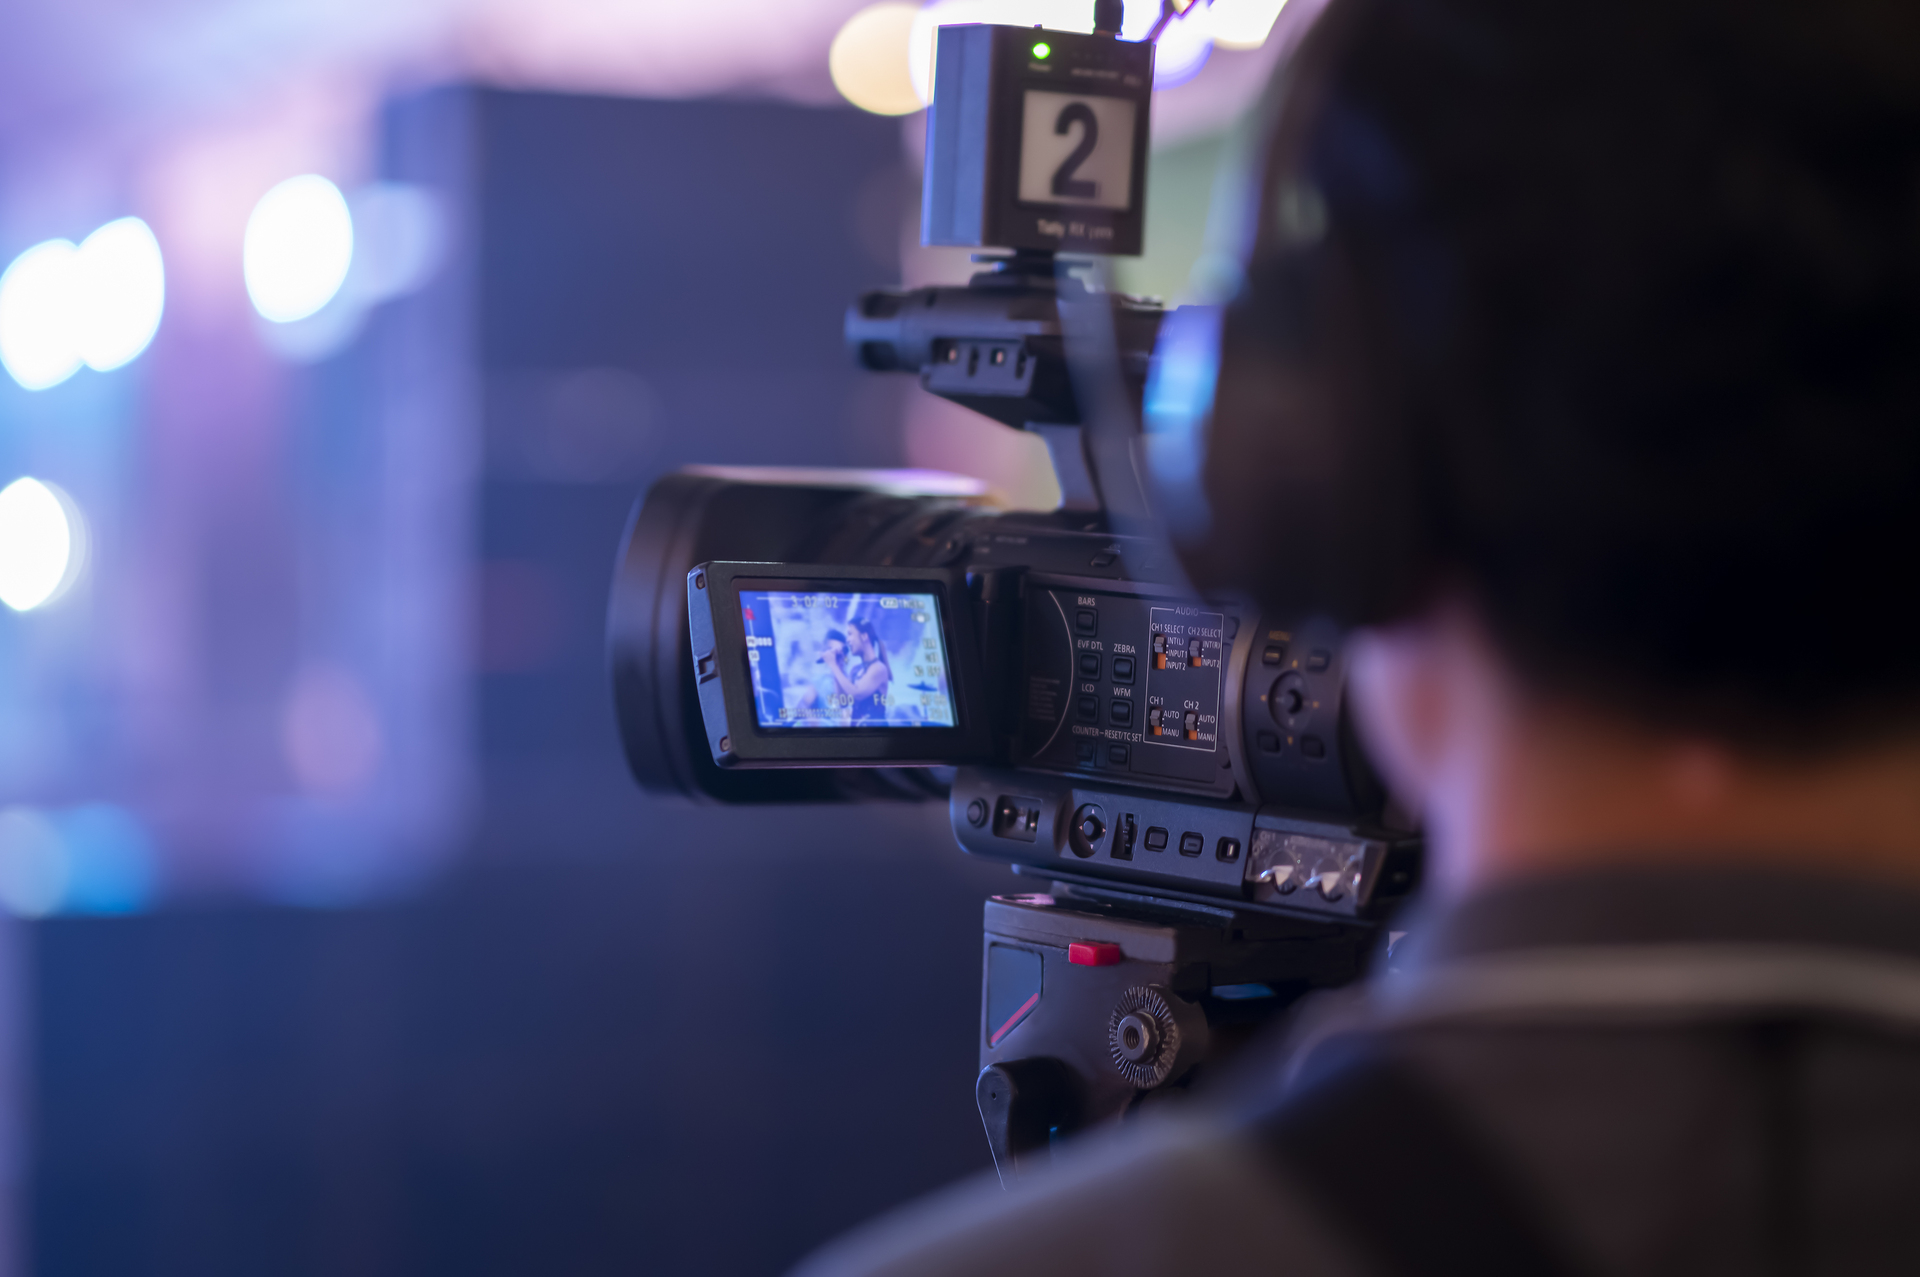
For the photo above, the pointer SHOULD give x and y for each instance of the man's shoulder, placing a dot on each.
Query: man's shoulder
(1163, 1194)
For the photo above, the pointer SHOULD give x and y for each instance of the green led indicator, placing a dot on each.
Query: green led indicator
(1041, 50)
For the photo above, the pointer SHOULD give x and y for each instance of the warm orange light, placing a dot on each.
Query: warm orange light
(869, 62)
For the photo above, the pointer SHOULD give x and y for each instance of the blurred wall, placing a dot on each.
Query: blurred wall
(627, 1034)
(701, 1060)
(654, 284)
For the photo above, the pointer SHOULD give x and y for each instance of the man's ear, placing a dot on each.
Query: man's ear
(1414, 686)
(1398, 710)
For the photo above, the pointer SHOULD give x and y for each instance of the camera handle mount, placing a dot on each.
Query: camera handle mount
(1097, 1003)
(999, 346)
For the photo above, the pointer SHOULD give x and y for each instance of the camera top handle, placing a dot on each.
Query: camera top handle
(1037, 145)
(999, 345)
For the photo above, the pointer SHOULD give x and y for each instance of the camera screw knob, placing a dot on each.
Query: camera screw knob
(1136, 1037)
(1154, 1035)
(977, 812)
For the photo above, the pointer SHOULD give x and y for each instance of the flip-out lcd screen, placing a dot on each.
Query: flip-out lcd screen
(845, 659)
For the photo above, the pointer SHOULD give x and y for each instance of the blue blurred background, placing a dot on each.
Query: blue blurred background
(334, 937)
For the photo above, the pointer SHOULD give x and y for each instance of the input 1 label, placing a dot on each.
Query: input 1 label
(1187, 655)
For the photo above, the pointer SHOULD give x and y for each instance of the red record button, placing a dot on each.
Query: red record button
(1088, 954)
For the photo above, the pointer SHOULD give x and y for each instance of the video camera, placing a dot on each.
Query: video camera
(1181, 771)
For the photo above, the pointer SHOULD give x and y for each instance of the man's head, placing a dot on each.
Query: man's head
(1591, 335)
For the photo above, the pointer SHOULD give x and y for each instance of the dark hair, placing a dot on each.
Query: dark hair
(1610, 317)
(866, 627)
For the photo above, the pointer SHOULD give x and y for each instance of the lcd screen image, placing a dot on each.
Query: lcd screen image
(843, 659)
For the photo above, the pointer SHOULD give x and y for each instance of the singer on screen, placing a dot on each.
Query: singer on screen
(861, 672)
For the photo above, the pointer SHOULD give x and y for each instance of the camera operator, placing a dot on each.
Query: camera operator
(1577, 361)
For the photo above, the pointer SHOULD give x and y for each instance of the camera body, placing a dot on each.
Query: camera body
(1179, 772)
(1098, 723)
(1088, 717)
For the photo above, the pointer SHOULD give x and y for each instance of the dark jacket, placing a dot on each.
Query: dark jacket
(1649, 1072)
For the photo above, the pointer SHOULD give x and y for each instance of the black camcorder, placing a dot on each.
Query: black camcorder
(1169, 765)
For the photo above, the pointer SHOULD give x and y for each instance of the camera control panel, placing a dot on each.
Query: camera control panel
(1127, 687)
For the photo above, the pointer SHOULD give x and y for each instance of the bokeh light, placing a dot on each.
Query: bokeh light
(1183, 45)
(869, 59)
(399, 240)
(37, 544)
(33, 863)
(39, 337)
(111, 862)
(330, 731)
(298, 247)
(94, 305)
(1175, 411)
(96, 858)
(1242, 24)
(121, 288)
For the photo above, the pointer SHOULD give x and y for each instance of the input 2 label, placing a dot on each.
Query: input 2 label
(1188, 653)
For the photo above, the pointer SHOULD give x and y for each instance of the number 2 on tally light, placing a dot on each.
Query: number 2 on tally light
(1064, 181)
